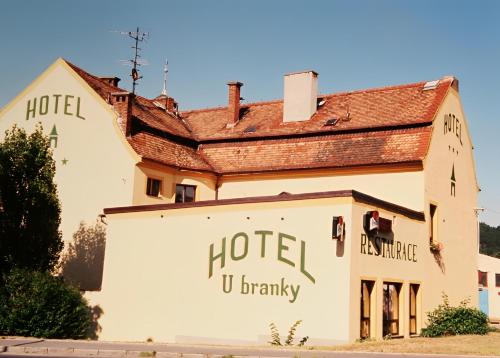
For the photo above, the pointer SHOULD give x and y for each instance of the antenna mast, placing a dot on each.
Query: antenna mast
(165, 71)
(137, 36)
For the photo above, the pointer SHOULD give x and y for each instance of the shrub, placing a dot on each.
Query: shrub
(446, 320)
(39, 305)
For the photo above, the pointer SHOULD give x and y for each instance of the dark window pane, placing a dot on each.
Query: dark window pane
(184, 193)
(153, 187)
(497, 279)
(189, 196)
(482, 278)
(179, 194)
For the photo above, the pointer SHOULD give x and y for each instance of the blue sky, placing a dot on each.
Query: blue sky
(351, 44)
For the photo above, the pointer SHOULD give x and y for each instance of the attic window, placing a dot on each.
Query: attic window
(321, 102)
(331, 122)
(431, 85)
(250, 129)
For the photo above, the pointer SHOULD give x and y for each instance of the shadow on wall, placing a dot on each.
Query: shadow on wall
(82, 265)
(95, 328)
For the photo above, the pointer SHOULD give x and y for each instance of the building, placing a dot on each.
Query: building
(352, 211)
(489, 286)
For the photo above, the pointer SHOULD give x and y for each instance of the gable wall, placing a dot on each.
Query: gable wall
(94, 164)
(456, 220)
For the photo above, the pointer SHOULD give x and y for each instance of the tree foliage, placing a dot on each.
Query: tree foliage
(36, 304)
(489, 240)
(29, 206)
(82, 264)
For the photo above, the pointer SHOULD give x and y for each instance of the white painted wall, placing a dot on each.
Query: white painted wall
(99, 171)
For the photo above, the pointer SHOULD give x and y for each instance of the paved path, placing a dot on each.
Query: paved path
(40, 348)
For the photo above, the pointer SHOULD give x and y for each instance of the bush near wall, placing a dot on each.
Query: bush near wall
(446, 320)
(39, 305)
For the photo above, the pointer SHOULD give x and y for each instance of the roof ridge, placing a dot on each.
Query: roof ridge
(322, 95)
(79, 71)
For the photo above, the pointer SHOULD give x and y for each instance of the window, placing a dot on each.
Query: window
(153, 187)
(366, 292)
(497, 279)
(391, 309)
(482, 278)
(184, 193)
(413, 308)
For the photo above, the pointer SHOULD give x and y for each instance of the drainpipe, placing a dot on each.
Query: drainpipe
(477, 211)
(217, 185)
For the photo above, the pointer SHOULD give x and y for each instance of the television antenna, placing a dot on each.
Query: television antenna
(136, 62)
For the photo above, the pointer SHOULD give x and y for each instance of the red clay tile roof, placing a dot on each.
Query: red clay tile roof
(331, 151)
(167, 152)
(144, 109)
(388, 125)
(372, 108)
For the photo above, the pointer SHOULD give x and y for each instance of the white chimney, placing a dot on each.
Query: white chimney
(301, 93)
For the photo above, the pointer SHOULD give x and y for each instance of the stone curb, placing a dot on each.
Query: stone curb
(59, 351)
(85, 352)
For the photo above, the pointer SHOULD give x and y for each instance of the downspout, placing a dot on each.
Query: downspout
(217, 185)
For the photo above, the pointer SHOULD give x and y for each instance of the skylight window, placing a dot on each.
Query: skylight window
(331, 122)
(250, 129)
(431, 85)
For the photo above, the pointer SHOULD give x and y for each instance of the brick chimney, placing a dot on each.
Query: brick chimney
(233, 108)
(113, 81)
(301, 96)
(168, 103)
(171, 105)
(122, 103)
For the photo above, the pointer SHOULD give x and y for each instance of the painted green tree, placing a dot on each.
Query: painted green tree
(29, 206)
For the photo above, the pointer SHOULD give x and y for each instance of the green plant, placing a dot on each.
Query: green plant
(275, 335)
(291, 333)
(37, 304)
(447, 320)
(30, 210)
(303, 341)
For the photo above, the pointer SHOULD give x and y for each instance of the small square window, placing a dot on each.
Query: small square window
(482, 278)
(153, 187)
(185, 193)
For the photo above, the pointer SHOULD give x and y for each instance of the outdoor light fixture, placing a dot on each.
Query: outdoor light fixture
(338, 228)
(374, 224)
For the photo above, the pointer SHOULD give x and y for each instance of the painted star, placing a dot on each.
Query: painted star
(64, 161)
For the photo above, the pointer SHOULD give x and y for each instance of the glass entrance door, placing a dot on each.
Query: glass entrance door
(391, 308)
